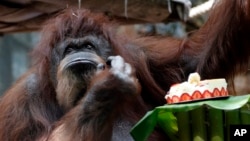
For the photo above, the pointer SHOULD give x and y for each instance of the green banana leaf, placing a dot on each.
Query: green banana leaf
(164, 118)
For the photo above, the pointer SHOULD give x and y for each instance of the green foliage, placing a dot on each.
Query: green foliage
(204, 118)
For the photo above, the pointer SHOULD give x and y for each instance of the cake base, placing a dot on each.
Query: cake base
(203, 99)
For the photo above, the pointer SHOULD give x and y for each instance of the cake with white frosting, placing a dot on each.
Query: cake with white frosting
(195, 89)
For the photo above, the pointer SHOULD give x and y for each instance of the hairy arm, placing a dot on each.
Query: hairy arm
(24, 114)
(225, 40)
(93, 118)
(220, 48)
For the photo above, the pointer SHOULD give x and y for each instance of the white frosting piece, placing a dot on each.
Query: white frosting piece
(194, 78)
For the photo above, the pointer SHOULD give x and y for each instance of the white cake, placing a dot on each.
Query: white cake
(194, 89)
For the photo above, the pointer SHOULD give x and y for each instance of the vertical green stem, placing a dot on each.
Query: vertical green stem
(245, 116)
(232, 118)
(198, 124)
(215, 120)
(183, 121)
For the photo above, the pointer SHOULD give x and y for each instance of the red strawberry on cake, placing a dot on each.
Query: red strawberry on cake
(185, 97)
(195, 89)
(196, 95)
(207, 94)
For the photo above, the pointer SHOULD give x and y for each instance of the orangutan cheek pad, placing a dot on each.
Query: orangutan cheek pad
(194, 89)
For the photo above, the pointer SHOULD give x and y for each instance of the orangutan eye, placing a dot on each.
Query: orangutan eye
(88, 46)
(68, 50)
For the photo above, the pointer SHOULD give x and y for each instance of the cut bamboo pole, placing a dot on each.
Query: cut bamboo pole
(198, 124)
(184, 130)
(215, 123)
(231, 118)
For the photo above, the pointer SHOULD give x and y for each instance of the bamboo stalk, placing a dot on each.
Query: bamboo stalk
(231, 118)
(245, 116)
(183, 121)
(215, 119)
(198, 124)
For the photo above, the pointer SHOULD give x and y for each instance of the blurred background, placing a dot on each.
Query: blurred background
(14, 56)
(16, 44)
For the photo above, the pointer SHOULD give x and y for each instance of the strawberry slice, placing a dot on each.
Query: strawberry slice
(169, 100)
(207, 94)
(197, 95)
(216, 92)
(175, 99)
(224, 92)
(185, 97)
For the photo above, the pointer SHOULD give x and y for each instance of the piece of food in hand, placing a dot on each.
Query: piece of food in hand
(195, 89)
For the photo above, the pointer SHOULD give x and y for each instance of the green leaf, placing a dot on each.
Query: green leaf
(168, 122)
(162, 115)
(145, 126)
